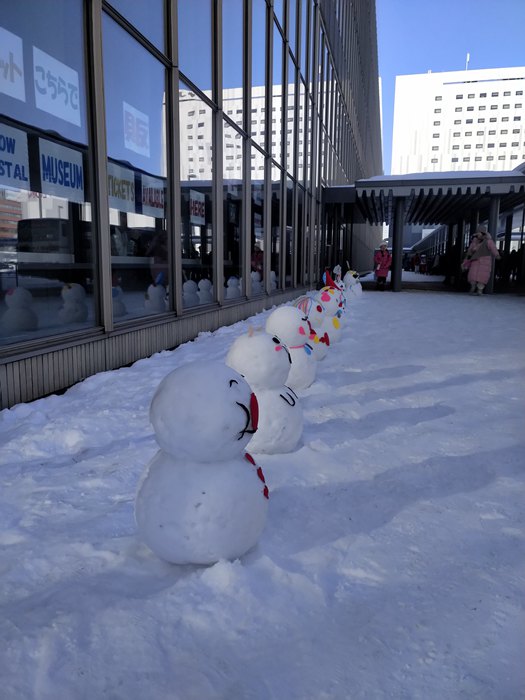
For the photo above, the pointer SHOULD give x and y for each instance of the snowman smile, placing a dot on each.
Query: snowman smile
(252, 417)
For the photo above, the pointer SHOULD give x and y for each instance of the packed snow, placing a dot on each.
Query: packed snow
(392, 564)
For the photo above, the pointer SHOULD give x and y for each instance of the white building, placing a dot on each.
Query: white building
(461, 120)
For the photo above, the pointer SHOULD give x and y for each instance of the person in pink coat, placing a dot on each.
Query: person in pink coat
(478, 260)
(382, 262)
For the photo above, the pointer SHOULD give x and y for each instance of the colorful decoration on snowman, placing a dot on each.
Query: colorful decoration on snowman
(233, 290)
(155, 299)
(74, 308)
(19, 316)
(205, 291)
(330, 298)
(352, 284)
(315, 313)
(202, 498)
(291, 326)
(265, 364)
(190, 296)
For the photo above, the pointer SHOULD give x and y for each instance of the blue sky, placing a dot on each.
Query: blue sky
(415, 36)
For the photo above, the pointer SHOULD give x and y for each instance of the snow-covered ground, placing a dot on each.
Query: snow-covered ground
(393, 560)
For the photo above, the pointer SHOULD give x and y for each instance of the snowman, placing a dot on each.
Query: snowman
(202, 498)
(265, 363)
(117, 296)
(291, 326)
(257, 287)
(19, 315)
(315, 312)
(330, 298)
(190, 296)
(232, 288)
(204, 291)
(155, 299)
(273, 280)
(352, 284)
(74, 309)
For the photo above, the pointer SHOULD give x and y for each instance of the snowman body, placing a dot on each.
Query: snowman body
(205, 291)
(202, 498)
(233, 290)
(74, 309)
(155, 299)
(273, 280)
(330, 298)
(20, 315)
(257, 287)
(265, 363)
(352, 284)
(290, 325)
(117, 296)
(190, 295)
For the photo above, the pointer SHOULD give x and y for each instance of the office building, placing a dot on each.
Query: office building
(147, 147)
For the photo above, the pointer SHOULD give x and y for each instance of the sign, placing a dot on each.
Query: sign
(153, 196)
(12, 65)
(136, 130)
(56, 87)
(14, 160)
(121, 188)
(197, 208)
(61, 171)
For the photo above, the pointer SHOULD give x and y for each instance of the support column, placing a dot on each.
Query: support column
(493, 230)
(397, 244)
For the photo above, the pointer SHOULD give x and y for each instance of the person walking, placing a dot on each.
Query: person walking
(478, 260)
(382, 262)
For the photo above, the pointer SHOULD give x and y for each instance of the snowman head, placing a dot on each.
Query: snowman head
(330, 298)
(232, 282)
(261, 358)
(312, 309)
(205, 412)
(18, 298)
(155, 292)
(73, 292)
(290, 325)
(204, 285)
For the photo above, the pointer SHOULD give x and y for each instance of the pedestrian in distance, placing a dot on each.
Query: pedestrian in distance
(382, 262)
(478, 260)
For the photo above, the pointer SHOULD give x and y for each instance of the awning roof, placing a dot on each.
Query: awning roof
(432, 198)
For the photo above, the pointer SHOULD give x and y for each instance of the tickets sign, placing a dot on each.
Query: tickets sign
(14, 160)
(121, 188)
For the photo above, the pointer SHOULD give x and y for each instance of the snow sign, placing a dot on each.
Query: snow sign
(136, 130)
(11, 65)
(197, 208)
(121, 188)
(61, 171)
(56, 87)
(153, 195)
(14, 160)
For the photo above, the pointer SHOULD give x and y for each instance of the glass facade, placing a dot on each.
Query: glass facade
(145, 173)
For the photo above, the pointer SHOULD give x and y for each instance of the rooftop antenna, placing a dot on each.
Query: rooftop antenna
(467, 61)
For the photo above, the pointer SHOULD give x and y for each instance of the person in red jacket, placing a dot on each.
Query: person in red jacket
(382, 262)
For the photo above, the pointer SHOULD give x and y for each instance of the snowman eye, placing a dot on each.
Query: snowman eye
(276, 340)
(233, 381)
(319, 308)
(305, 318)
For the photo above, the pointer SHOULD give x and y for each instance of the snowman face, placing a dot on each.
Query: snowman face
(329, 298)
(262, 359)
(290, 325)
(73, 292)
(18, 298)
(205, 412)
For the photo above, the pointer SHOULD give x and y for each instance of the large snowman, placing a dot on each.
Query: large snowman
(202, 498)
(265, 364)
(291, 326)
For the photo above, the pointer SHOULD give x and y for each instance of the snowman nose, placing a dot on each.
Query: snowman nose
(254, 411)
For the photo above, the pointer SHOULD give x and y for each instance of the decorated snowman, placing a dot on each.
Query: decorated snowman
(74, 309)
(20, 315)
(352, 284)
(202, 498)
(315, 313)
(205, 291)
(265, 363)
(233, 290)
(155, 301)
(330, 298)
(291, 326)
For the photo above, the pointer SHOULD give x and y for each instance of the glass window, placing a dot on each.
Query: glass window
(233, 214)
(300, 238)
(277, 90)
(289, 232)
(304, 47)
(47, 278)
(196, 205)
(195, 64)
(276, 229)
(147, 17)
(289, 125)
(258, 65)
(257, 241)
(292, 22)
(136, 146)
(232, 54)
(278, 8)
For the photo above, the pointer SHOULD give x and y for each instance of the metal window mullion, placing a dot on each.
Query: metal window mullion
(174, 198)
(246, 228)
(217, 159)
